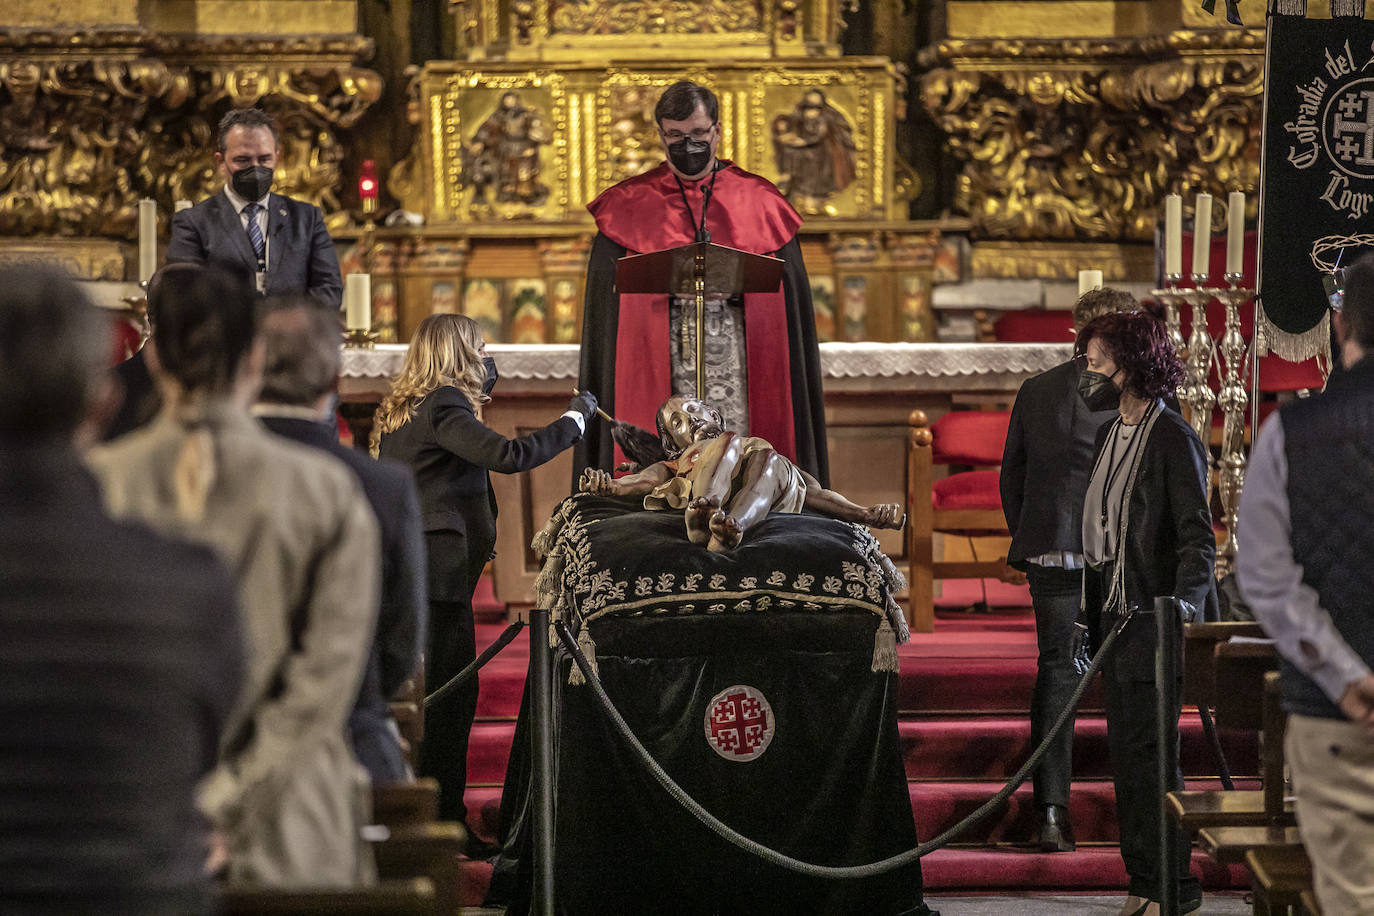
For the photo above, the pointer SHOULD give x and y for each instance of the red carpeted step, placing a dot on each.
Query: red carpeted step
(981, 747)
(993, 747)
(1087, 869)
(938, 806)
(958, 594)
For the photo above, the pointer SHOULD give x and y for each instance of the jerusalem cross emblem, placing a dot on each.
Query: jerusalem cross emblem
(739, 723)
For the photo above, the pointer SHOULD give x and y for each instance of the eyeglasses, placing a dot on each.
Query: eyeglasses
(701, 134)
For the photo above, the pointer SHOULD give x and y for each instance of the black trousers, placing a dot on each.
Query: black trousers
(1055, 594)
(451, 647)
(1133, 741)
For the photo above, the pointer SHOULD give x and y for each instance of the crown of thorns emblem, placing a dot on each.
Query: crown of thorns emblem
(739, 723)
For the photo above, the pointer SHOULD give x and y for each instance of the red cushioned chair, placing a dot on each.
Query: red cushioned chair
(1035, 326)
(967, 503)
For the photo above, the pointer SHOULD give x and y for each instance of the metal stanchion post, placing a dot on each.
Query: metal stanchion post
(541, 703)
(1166, 724)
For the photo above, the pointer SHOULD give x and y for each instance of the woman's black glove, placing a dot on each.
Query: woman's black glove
(584, 403)
(1080, 648)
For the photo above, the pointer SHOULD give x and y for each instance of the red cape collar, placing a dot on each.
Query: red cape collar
(646, 213)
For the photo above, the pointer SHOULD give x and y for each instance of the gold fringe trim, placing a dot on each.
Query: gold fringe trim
(544, 540)
(584, 642)
(1347, 9)
(885, 648)
(1316, 341)
(1288, 7)
(548, 585)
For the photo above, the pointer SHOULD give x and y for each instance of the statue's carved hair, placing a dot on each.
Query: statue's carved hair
(443, 351)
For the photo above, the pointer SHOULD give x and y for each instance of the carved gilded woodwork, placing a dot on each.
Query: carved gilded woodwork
(92, 121)
(597, 128)
(635, 30)
(1081, 139)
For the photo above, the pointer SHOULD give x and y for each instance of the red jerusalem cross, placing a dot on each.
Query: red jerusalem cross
(738, 723)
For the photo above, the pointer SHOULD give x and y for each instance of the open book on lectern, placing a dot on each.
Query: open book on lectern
(727, 271)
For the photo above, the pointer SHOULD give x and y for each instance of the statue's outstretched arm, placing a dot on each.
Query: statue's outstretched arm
(601, 483)
(828, 502)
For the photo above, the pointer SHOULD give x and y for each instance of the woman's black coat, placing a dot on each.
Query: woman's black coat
(1169, 548)
(451, 453)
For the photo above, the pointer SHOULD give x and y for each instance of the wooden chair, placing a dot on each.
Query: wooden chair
(411, 897)
(968, 503)
(1280, 879)
(406, 805)
(425, 851)
(1308, 903)
(1229, 844)
(408, 709)
(1242, 667)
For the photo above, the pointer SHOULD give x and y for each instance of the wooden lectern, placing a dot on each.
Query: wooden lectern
(700, 269)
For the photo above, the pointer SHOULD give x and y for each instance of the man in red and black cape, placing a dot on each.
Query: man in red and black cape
(767, 381)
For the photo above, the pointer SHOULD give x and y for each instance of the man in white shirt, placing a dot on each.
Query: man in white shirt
(280, 242)
(1303, 567)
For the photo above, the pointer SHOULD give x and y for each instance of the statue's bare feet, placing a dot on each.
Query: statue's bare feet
(726, 533)
(885, 515)
(597, 482)
(698, 516)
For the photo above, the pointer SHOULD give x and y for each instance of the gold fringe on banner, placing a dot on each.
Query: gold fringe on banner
(1316, 341)
(1347, 9)
(1289, 7)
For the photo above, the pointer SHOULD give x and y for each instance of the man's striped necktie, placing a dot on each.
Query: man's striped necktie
(255, 232)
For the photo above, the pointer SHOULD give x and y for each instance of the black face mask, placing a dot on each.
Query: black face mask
(1097, 390)
(690, 157)
(252, 183)
(492, 374)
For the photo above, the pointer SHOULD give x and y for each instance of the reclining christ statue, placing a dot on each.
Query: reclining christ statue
(727, 483)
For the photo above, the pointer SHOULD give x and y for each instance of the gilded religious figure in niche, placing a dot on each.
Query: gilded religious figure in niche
(814, 148)
(502, 158)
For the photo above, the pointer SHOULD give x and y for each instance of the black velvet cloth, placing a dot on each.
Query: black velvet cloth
(830, 787)
(611, 557)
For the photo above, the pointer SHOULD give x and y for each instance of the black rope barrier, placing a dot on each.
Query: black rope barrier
(810, 869)
(508, 634)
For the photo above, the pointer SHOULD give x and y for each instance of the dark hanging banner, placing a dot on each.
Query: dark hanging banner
(1318, 186)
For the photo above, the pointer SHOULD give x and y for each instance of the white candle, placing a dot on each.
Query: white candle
(1235, 233)
(1089, 279)
(1202, 236)
(181, 205)
(147, 239)
(1173, 235)
(358, 301)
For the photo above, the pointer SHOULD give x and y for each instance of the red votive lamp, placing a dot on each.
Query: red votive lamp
(367, 186)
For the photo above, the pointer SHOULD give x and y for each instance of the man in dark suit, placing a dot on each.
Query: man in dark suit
(296, 401)
(1046, 465)
(280, 242)
(121, 649)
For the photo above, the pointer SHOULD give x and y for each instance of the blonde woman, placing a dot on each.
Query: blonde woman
(432, 421)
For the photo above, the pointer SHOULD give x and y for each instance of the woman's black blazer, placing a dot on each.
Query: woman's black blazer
(451, 453)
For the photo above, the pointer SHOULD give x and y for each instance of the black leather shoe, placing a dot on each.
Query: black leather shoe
(1055, 834)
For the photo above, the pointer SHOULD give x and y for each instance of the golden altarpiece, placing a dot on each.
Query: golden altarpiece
(552, 102)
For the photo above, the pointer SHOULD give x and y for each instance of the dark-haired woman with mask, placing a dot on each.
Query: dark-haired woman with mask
(432, 421)
(1147, 535)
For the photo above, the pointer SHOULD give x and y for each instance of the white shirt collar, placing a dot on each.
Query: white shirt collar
(239, 203)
